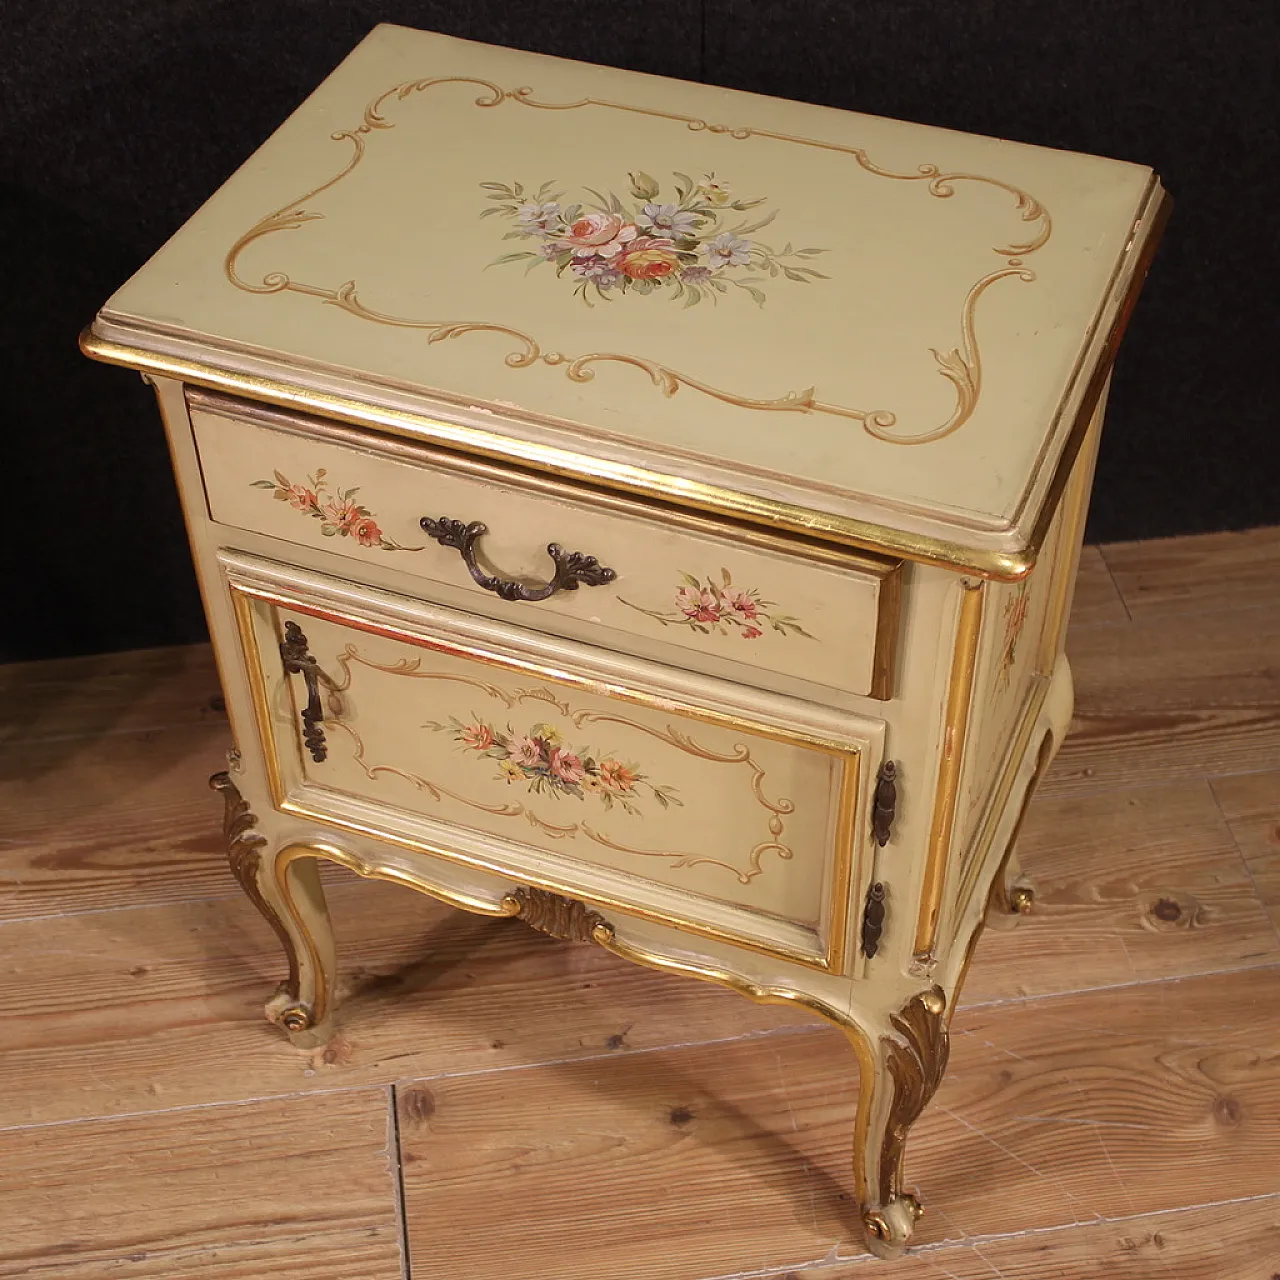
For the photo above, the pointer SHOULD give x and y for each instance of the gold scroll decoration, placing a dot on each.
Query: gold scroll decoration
(917, 1058)
(961, 365)
(557, 916)
(244, 854)
(740, 754)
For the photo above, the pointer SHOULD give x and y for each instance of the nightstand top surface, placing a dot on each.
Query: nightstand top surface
(740, 301)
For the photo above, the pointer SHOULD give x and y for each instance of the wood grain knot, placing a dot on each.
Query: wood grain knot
(337, 1052)
(1171, 912)
(417, 1104)
(680, 1116)
(1227, 1111)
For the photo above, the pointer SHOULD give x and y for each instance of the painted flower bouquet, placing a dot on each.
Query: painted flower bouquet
(695, 244)
(706, 605)
(541, 760)
(340, 515)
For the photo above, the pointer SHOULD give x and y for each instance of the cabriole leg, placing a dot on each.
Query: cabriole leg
(286, 889)
(899, 1071)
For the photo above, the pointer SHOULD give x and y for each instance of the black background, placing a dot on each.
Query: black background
(119, 119)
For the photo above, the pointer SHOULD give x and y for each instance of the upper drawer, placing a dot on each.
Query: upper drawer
(721, 593)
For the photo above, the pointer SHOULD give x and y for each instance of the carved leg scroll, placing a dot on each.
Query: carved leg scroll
(286, 890)
(900, 1070)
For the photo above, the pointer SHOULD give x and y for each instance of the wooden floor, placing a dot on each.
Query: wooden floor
(502, 1107)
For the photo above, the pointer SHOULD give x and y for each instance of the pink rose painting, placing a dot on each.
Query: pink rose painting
(540, 758)
(340, 515)
(700, 242)
(710, 605)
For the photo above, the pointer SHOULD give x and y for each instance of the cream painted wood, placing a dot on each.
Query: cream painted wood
(735, 814)
(709, 591)
(971, 287)
(932, 395)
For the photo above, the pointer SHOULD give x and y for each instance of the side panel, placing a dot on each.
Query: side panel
(1022, 637)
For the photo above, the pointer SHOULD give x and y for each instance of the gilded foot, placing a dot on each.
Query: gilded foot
(898, 1077)
(889, 1227)
(297, 1019)
(295, 910)
(1008, 905)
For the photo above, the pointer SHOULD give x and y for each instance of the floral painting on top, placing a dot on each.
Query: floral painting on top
(697, 241)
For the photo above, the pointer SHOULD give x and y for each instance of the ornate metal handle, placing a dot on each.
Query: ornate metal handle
(884, 806)
(572, 567)
(298, 661)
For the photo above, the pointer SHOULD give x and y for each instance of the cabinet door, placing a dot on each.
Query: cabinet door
(736, 815)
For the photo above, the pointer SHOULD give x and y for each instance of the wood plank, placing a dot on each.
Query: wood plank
(1138, 749)
(1251, 805)
(1106, 1104)
(1207, 660)
(1156, 702)
(115, 820)
(109, 693)
(1229, 1241)
(1130, 885)
(1054, 1112)
(659, 1166)
(121, 1011)
(1096, 601)
(1167, 577)
(295, 1187)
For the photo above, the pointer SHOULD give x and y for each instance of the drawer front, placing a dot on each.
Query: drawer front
(720, 594)
(406, 724)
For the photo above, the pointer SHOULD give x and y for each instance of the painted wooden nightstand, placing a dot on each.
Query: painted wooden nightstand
(648, 510)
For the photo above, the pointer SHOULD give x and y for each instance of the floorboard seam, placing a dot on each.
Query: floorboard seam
(826, 1263)
(1052, 790)
(397, 1155)
(124, 906)
(192, 1106)
(805, 1029)
(1248, 870)
(1106, 564)
(1004, 1001)
(816, 1027)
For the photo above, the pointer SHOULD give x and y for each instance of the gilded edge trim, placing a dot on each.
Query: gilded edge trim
(1074, 507)
(1148, 230)
(950, 767)
(886, 571)
(1005, 566)
(999, 565)
(835, 958)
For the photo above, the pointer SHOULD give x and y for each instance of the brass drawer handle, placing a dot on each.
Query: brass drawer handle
(298, 661)
(572, 567)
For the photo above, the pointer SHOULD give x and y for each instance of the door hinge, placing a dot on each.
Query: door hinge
(873, 919)
(884, 804)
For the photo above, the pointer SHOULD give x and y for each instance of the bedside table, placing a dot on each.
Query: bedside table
(647, 510)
